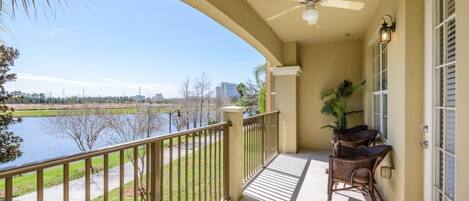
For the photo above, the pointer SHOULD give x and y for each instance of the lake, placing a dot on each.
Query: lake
(40, 144)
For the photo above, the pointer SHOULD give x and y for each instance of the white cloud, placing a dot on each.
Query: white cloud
(102, 86)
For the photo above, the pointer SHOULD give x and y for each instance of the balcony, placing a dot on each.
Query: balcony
(195, 164)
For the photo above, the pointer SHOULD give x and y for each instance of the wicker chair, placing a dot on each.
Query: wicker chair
(352, 140)
(356, 168)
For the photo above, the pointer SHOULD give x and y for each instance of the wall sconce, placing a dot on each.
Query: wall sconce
(386, 29)
(386, 172)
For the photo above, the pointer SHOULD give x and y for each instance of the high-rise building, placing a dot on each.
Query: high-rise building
(227, 90)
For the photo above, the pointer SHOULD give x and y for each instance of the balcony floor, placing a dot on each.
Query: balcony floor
(296, 177)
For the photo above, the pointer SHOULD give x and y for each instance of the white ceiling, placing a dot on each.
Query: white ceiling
(333, 25)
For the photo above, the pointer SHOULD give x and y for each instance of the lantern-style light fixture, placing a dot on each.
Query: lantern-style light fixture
(386, 29)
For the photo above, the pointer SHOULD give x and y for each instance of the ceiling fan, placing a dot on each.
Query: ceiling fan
(311, 15)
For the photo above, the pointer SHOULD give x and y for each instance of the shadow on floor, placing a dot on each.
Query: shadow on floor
(300, 177)
(280, 180)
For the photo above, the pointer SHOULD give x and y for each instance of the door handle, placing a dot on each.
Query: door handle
(425, 129)
(424, 144)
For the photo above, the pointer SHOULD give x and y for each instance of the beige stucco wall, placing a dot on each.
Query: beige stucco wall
(462, 100)
(324, 67)
(405, 96)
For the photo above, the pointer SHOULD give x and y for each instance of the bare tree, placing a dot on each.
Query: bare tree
(202, 86)
(209, 97)
(179, 121)
(185, 106)
(145, 123)
(83, 125)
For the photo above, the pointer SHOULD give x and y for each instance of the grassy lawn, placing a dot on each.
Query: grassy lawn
(210, 185)
(26, 183)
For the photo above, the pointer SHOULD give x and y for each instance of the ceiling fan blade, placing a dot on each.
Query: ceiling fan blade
(352, 5)
(283, 12)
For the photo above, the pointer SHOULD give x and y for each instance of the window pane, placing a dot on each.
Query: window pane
(439, 130)
(450, 131)
(450, 96)
(376, 83)
(385, 116)
(450, 7)
(449, 174)
(439, 44)
(438, 160)
(384, 59)
(451, 41)
(385, 80)
(376, 103)
(439, 11)
(377, 112)
(439, 87)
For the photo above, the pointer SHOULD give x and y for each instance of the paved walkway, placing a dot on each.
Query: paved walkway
(300, 177)
(77, 186)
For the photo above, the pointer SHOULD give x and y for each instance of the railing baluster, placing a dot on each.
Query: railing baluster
(66, 181)
(170, 169)
(205, 164)
(215, 146)
(258, 144)
(121, 175)
(263, 140)
(199, 179)
(193, 166)
(210, 164)
(88, 179)
(226, 167)
(187, 166)
(220, 143)
(161, 170)
(40, 185)
(179, 168)
(136, 173)
(148, 172)
(106, 177)
(245, 149)
(155, 170)
(9, 189)
(251, 148)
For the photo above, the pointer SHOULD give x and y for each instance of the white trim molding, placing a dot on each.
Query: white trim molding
(287, 70)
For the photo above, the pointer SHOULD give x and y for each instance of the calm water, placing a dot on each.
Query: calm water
(40, 144)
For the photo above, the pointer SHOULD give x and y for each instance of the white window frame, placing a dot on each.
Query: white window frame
(381, 92)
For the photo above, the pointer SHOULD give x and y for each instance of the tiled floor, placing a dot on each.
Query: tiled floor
(296, 177)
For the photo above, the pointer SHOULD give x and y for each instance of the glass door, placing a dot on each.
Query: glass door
(444, 100)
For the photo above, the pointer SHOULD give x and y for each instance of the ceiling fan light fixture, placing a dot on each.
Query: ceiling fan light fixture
(311, 16)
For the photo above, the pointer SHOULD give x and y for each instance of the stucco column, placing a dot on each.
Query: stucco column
(286, 102)
(234, 115)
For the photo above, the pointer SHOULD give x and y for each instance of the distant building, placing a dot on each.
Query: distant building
(139, 98)
(227, 90)
(158, 97)
(17, 93)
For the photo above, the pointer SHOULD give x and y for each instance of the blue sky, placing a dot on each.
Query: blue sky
(113, 47)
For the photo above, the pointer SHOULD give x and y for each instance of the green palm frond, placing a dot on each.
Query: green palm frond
(327, 93)
(259, 74)
(335, 102)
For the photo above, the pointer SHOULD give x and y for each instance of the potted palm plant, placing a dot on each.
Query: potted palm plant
(335, 105)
